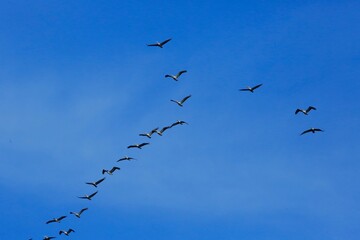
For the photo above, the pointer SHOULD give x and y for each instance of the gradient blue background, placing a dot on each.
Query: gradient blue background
(78, 84)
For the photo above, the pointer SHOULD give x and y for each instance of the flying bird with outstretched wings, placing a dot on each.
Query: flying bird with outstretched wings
(88, 197)
(95, 184)
(149, 133)
(175, 77)
(313, 130)
(138, 145)
(78, 214)
(125, 158)
(111, 171)
(180, 103)
(66, 232)
(178, 122)
(305, 111)
(250, 89)
(58, 220)
(159, 44)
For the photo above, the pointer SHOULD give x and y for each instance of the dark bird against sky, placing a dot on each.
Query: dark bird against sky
(180, 103)
(175, 77)
(79, 213)
(159, 44)
(88, 197)
(250, 89)
(58, 220)
(313, 130)
(111, 171)
(66, 232)
(138, 145)
(305, 111)
(95, 184)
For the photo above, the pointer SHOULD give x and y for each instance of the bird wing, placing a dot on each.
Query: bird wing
(70, 230)
(185, 98)
(143, 144)
(244, 89)
(61, 231)
(114, 168)
(132, 146)
(153, 131)
(257, 86)
(168, 76)
(83, 210)
(310, 108)
(181, 72)
(50, 221)
(297, 111)
(83, 197)
(104, 171)
(153, 45)
(93, 194)
(61, 218)
(164, 129)
(99, 181)
(318, 130)
(306, 131)
(143, 134)
(164, 42)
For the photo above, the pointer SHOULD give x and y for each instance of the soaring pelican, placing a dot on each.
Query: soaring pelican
(138, 145)
(58, 220)
(305, 111)
(250, 89)
(79, 213)
(178, 122)
(95, 184)
(180, 103)
(313, 130)
(88, 197)
(175, 77)
(125, 158)
(163, 130)
(66, 232)
(149, 133)
(111, 171)
(159, 44)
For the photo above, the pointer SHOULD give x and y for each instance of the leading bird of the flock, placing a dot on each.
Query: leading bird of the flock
(79, 213)
(58, 220)
(125, 158)
(250, 89)
(138, 145)
(66, 232)
(95, 184)
(88, 197)
(179, 122)
(111, 171)
(160, 133)
(149, 133)
(305, 111)
(180, 103)
(175, 77)
(159, 44)
(313, 130)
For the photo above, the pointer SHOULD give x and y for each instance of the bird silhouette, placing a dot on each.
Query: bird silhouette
(250, 89)
(88, 197)
(178, 122)
(175, 77)
(79, 213)
(138, 145)
(95, 184)
(58, 220)
(48, 238)
(66, 232)
(180, 103)
(149, 133)
(125, 158)
(159, 44)
(111, 171)
(163, 130)
(305, 111)
(313, 130)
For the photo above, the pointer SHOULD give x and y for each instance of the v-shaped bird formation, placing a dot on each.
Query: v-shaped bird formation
(149, 135)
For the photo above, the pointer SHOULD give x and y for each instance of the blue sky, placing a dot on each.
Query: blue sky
(78, 84)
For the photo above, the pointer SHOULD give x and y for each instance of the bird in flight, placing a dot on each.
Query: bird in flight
(180, 103)
(149, 134)
(111, 171)
(66, 232)
(95, 184)
(88, 197)
(79, 213)
(305, 111)
(250, 89)
(163, 130)
(175, 77)
(159, 44)
(58, 220)
(313, 130)
(125, 158)
(138, 145)
(48, 238)
(178, 122)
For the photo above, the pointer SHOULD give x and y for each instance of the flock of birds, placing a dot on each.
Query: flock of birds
(148, 135)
